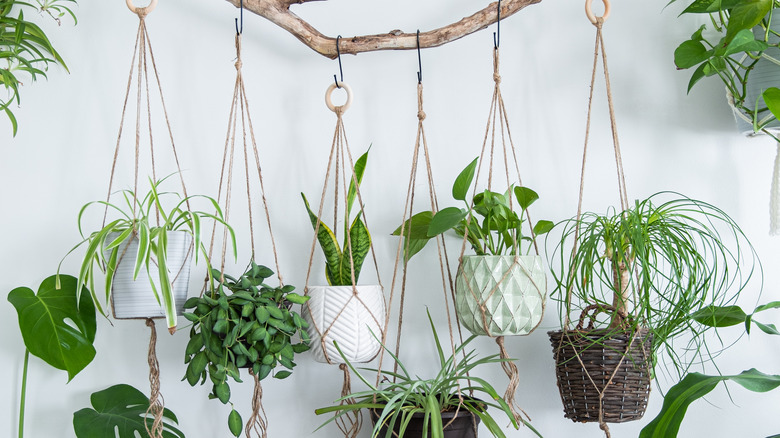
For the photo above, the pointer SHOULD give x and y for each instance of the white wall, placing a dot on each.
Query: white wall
(61, 157)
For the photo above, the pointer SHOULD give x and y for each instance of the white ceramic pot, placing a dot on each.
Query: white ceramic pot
(765, 74)
(134, 299)
(353, 320)
(500, 295)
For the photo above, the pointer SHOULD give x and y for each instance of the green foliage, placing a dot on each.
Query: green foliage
(24, 47)
(399, 395)
(693, 387)
(242, 323)
(57, 326)
(344, 263)
(120, 408)
(683, 259)
(145, 219)
(501, 230)
(734, 50)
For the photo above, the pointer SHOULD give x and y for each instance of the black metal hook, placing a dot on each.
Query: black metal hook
(497, 34)
(419, 59)
(341, 71)
(239, 32)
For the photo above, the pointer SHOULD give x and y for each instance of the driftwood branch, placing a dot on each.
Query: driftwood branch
(278, 12)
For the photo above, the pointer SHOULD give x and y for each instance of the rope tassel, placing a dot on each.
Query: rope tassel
(349, 424)
(514, 381)
(156, 404)
(258, 422)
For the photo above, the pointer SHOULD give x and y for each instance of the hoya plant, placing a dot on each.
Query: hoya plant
(243, 323)
(341, 259)
(494, 220)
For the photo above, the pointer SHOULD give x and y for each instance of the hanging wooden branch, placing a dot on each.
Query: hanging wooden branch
(278, 12)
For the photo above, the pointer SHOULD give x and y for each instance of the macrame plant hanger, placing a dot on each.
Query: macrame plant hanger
(342, 167)
(402, 253)
(257, 425)
(569, 336)
(498, 120)
(144, 55)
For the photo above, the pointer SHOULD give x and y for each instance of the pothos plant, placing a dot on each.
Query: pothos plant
(656, 265)
(25, 48)
(147, 220)
(342, 261)
(738, 40)
(494, 220)
(242, 323)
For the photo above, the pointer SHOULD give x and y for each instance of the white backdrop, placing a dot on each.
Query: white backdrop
(61, 158)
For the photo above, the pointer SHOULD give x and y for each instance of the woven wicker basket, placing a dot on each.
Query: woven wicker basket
(601, 351)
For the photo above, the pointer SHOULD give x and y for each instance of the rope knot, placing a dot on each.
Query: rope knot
(239, 64)
(497, 78)
(339, 111)
(599, 22)
(421, 115)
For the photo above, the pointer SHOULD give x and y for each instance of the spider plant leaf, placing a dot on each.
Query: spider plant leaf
(168, 301)
(328, 243)
(144, 248)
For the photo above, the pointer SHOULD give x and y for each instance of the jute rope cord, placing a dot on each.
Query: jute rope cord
(340, 162)
(239, 109)
(402, 253)
(622, 272)
(142, 57)
(498, 121)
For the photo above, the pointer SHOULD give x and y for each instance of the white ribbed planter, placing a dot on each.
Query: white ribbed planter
(496, 297)
(334, 313)
(134, 299)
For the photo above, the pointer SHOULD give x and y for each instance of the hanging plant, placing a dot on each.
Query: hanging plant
(243, 323)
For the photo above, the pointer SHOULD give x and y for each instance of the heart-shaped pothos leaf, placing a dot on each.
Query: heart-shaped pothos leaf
(44, 322)
(120, 408)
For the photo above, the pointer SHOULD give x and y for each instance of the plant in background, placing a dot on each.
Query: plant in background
(242, 323)
(400, 397)
(25, 48)
(654, 266)
(341, 259)
(500, 228)
(147, 221)
(737, 45)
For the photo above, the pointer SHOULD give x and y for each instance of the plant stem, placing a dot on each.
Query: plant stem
(621, 277)
(24, 393)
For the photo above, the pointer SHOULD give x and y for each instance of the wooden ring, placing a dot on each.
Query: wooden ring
(591, 16)
(145, 10)
(328, 93)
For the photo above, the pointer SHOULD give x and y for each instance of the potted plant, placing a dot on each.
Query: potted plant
(242, 323)
(344, 311)
(146, 237)
(501, 290)
(403, 405)
(743, 50)
(637, 278)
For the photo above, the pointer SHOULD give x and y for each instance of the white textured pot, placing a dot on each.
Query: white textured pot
(134, 299)
(500, 295)
(337, 313)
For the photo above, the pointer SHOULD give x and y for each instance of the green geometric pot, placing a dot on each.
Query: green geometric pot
(500, 295)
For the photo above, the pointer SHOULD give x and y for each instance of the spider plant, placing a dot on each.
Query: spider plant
(24, 47)
(655, 265)
(400, 395)
(146, 219)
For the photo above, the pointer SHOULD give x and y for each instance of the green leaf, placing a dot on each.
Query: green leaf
(222, 390)
(767, 306)
(772, 99)
(744, 41)
(43, 321)
(690, 53)
(525, 197)
(416, 227)
(745, 15)
(693, 387)
(716, 316)
(360, 167)
(328, 243)
(235, 423)
(709, 6)
(446, 219)
(120, 408)
(282, 375)
(543, 227)
(462, 183)
(360, 241)
(769, 329)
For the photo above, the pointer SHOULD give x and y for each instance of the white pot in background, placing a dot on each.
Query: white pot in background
(765, 74)
(336, 313)
(496, 296)
(134, 299)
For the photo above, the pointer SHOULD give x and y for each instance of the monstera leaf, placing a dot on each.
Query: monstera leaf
(120, 408)
(43, 321)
